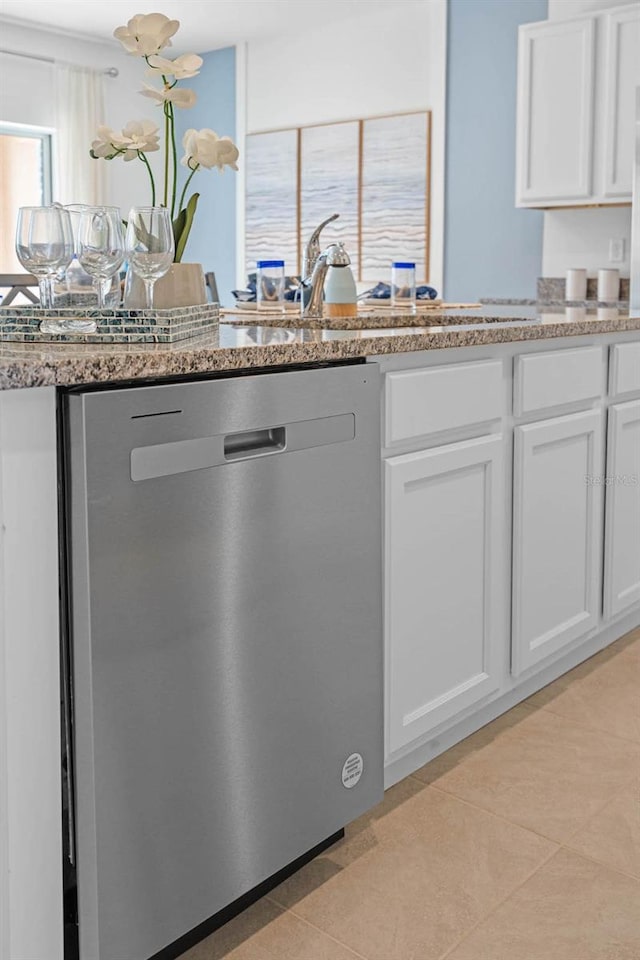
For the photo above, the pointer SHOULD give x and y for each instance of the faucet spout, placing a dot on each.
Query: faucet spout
(312, 249)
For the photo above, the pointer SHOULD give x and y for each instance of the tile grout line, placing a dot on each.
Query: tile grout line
(324, 933)
(589, 729)
(500, 816)
(599, 863)
(497, 906)
(628, 783)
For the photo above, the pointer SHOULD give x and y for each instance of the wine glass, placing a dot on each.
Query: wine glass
(43, 245)
(100, 245)
(150, 246)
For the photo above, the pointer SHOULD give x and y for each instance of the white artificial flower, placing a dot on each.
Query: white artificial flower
(102, 147)
(139, 136)
(180, 97)
(206, 149)
(228, 153)
(147, 33)
(183, 67)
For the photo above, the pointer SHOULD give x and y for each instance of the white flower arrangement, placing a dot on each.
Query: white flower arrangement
(145, 35)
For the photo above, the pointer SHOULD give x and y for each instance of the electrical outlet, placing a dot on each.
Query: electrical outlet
(616, 250)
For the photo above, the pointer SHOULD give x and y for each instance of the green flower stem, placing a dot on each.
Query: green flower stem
(184, 189)
(175, 160)
(150, 171)
(166, 153)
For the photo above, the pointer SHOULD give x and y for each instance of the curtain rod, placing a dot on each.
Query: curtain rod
(108, 71)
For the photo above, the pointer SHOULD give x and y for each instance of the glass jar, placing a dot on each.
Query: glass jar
(403, 284)
(270, 285)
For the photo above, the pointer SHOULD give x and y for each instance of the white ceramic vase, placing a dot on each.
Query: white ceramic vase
(182, 286)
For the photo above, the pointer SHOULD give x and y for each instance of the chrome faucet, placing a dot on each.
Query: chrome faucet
(314, 271)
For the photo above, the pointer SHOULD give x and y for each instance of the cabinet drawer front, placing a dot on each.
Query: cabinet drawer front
(625, 368)
(545, 380)
(419, 402)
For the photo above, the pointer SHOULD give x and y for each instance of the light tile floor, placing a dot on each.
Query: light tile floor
(521, 843)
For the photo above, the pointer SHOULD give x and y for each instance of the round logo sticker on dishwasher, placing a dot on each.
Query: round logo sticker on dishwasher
(352, 770)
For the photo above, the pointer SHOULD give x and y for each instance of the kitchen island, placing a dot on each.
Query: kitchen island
(509, 556)
(241, 344)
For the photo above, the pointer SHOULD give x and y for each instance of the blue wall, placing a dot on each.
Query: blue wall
(491, 248)
(213, 237)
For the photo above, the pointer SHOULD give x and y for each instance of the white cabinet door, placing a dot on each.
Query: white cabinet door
(621, 76)
(445, 583)
(557, 534)
(622, 516)
(556, 66)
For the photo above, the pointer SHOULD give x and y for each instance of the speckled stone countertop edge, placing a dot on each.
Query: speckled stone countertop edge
(56, 365)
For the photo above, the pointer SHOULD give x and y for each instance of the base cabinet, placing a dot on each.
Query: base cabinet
(622, 515)
(445, 583)
(557, 535)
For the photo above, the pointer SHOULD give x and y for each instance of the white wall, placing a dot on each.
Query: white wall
(386, 59)
(580, 238)
(26, 93)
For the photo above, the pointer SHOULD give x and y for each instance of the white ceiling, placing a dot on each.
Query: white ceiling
(205, 24)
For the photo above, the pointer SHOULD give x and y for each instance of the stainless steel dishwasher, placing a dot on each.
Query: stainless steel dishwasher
(225, 641)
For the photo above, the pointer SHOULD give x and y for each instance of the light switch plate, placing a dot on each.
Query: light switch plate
(616, 249)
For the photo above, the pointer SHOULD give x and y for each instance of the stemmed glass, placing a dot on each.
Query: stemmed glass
(150, 246)
(100, 245)
(44, 245)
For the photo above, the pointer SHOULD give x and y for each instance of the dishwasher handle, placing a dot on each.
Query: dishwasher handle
(254, 443)
(198, 453)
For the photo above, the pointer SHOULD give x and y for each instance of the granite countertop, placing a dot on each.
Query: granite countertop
(240, 343)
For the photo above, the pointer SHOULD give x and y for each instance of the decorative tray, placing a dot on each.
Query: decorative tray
(32, 324)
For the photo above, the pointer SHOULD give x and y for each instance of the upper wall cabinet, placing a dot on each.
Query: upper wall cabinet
(576, 99)
(622, 76)
(556, 65)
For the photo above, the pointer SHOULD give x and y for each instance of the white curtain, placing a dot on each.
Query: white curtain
(79, 99)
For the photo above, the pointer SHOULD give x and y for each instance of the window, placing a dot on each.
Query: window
(25, 181)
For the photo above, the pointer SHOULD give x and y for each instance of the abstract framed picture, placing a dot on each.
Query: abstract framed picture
(374, 172)
(271, 199)
(394, 212)
(329, 182)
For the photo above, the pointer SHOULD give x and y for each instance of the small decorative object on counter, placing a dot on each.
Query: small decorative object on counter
(270, 285)
(403, 284)
(576, 285)
(340, 294)
(145, 36)
(608, 285)
(382, 291)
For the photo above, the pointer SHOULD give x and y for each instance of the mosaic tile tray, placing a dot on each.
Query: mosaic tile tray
(22, 324)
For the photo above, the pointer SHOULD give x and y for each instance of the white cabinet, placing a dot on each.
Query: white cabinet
(556, 66)
(622, 76)
(576, 105)
(557, 534)
(622, 516)
(445, 583)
